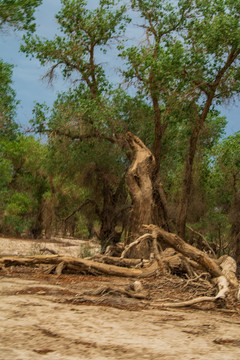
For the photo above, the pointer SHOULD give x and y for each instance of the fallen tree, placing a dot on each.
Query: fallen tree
(80, 266)
(222, 271)
(178, 257)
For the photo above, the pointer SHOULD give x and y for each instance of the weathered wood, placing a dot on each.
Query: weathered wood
(191, 302)
(222, 284)
(229, 268)
(59, 269)
(149, 204)
(125, 262)
(158, 256)
(113, 290)
(187, 250)
(81, 265)
(47, 269)
(139, 181)
(134, 243)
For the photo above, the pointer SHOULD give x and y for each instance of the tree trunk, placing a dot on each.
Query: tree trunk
(112, 214)
(199, 123)
(37, 227)
(235, 230)
(48, 218)
(188, 172)
(149, 205)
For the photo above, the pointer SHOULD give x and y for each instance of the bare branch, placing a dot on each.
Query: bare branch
(81, 137)
(87, 202)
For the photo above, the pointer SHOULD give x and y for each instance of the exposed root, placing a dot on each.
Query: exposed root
(134, 243)
(190, 302)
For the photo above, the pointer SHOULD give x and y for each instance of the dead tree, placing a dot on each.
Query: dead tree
(149, 205)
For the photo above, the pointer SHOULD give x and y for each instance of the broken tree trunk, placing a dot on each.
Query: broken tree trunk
(149, 204)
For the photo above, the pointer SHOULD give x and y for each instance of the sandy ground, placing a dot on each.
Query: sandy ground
(41, 320)
(61, 246)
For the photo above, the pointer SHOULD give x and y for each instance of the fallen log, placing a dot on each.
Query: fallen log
(80, 265)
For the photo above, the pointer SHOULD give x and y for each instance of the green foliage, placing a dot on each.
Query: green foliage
(226, 175)
(8, 101)
(5, 172)
(186, 46)
(18, 13)
(85, 251)
(19, 204)
(17, 209)
(83, 32)
(23, 183)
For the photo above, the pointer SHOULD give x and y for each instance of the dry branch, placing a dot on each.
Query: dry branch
(204, 241)
(158, 256)
(220, 298)
(191, 302)
(134, 243)
(112, 260)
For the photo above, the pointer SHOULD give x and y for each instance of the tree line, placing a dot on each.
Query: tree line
(148, 150)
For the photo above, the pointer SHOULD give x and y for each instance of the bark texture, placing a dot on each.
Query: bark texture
(149, 205)
(81, 266)
(235, 231)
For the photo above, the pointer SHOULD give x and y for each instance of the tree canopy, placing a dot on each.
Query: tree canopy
(18, 14)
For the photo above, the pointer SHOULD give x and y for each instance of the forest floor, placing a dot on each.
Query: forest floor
(46, 317)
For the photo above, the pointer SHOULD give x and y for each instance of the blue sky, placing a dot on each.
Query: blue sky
(27, 73)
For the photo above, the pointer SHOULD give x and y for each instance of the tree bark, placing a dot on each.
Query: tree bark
(235, 230)
(187, 250)
(113, 213)
(149, 206)
(81, 266)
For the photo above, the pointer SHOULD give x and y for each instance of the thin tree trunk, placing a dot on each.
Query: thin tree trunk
(188, 172)
(187, 181)
(235, 230)
(112, 214)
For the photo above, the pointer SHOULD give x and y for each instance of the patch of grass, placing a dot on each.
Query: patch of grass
(85, 251)
(35, 250)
